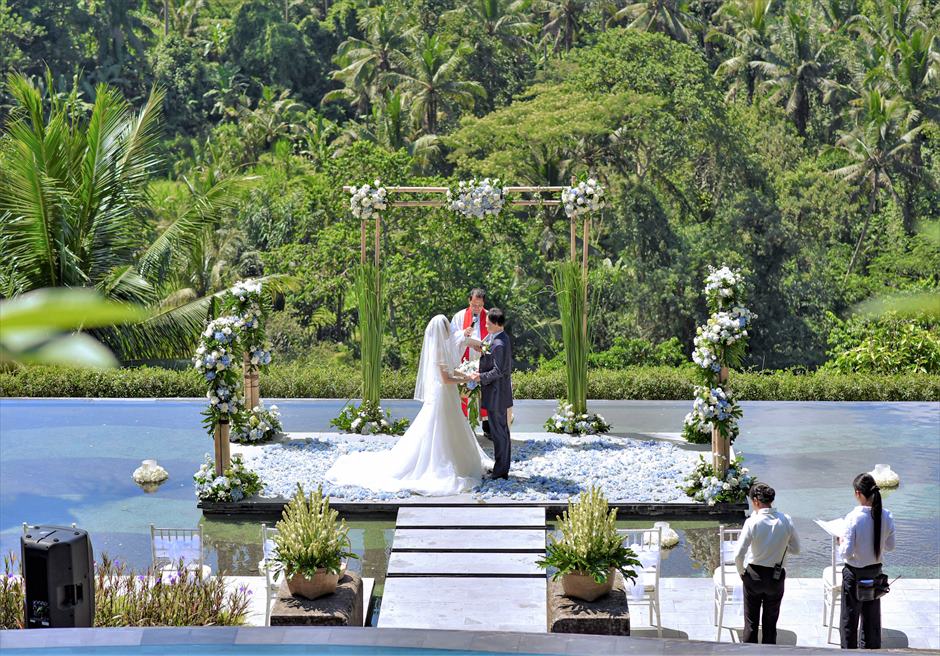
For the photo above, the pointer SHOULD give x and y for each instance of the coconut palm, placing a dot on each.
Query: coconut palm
(878, 146)
(671, 17)
(839, 15)
(431, 81)
(563, 21)
(499, 19)
(795, 67)
(367, 65)
(745, 32)
(74, 204)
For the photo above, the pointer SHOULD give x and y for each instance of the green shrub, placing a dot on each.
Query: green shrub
(886, 345)
(340, 381)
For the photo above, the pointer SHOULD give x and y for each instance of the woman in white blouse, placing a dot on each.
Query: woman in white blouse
(869, 533)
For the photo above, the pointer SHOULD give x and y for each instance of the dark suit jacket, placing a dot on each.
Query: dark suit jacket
(495, 374)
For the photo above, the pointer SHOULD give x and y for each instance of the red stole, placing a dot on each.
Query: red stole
(467, 322)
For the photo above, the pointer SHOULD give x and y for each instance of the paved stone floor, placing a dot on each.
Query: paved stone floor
(910, 613)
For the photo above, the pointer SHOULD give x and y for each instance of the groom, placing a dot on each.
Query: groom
(496, 391)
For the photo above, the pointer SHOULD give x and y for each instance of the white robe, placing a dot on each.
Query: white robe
(456, 329)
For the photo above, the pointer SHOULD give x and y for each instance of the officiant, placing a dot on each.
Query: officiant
(470, 324)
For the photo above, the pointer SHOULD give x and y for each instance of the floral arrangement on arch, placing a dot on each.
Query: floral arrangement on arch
(586, 196)
(705, 486)
(720, 342)
(236, 483)
(368, 200)
(261, 425)
(566, 421)
(217, 358)
(477, 199)
(368, 419)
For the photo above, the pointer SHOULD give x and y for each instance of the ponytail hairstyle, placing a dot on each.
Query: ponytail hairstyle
(866, 486)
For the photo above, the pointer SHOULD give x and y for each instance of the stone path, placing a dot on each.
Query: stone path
(466, 568)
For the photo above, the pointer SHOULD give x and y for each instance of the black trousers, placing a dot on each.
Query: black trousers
(499, 433)
(853, 610)
(763, 595)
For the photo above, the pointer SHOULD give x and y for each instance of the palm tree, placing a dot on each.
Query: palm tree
(564, 20)
(367, 65)
(878, 145)
(839, 15)
(745, 31)
(670, 17)
(74, 204)
(500, 20)
(431, 83)
(795, 67)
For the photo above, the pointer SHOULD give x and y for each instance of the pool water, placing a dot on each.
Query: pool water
(70, 460)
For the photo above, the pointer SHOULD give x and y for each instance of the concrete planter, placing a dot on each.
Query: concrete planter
(583, 586)
(323, 583)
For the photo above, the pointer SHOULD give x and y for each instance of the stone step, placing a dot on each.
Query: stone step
(476, 517)
(464, 564)
(470, 539)
(489, 604)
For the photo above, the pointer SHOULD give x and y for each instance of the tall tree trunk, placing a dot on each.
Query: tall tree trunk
(166, 17)
(871, 210)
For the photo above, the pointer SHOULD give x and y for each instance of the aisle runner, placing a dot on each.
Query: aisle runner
(466, 568)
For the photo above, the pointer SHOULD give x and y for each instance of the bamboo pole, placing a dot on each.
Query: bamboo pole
(721, 446)
(362, 242)
(586, 236)
(444, 190)
(223, 458)
(574, 239)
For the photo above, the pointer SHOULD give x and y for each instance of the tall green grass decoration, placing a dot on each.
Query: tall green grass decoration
(367, 284)
(570, 290)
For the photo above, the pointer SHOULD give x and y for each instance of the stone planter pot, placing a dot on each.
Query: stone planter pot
(583, 586)
(323, 583)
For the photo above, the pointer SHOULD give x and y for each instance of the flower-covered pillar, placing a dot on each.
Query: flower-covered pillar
(217, 358)
(245, 301)
(719, 345)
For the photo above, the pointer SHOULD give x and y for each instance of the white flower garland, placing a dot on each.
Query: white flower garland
(368, 200)
(586, 196)
(477, 199)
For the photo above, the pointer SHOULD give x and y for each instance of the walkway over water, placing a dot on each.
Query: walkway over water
(466, 568)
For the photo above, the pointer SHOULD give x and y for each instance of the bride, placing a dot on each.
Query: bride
(438, 455)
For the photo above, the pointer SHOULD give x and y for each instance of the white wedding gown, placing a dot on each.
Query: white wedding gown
(438, 455)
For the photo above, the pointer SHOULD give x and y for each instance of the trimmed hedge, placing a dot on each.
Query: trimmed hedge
(306, 381)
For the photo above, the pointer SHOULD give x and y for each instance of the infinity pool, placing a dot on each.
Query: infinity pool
(64, 460)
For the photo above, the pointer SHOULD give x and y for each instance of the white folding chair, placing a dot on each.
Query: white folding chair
(169, 546)
(832, 589)
(269, 567)
(645, 542)
(728, 586)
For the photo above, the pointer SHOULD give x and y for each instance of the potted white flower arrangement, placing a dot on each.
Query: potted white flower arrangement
(590, 551)
(565, 420)
(263, 424)
(311, 546)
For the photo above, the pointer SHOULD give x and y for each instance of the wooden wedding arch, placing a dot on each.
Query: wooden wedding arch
(721, 446)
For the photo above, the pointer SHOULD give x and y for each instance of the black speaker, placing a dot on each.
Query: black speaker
(59, 572)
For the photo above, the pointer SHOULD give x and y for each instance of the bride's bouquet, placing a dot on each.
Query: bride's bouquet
(466, 368)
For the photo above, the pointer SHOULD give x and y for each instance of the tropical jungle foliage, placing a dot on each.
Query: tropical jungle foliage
(159, 151)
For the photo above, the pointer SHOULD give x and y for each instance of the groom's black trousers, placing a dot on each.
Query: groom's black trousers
(499, 433)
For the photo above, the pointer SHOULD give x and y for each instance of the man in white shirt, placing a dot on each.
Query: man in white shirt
(767, 537)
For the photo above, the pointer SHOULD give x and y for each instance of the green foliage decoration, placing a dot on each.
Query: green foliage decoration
(589, 542)
(309, 537)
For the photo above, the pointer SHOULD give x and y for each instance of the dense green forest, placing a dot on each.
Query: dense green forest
(161, 150)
